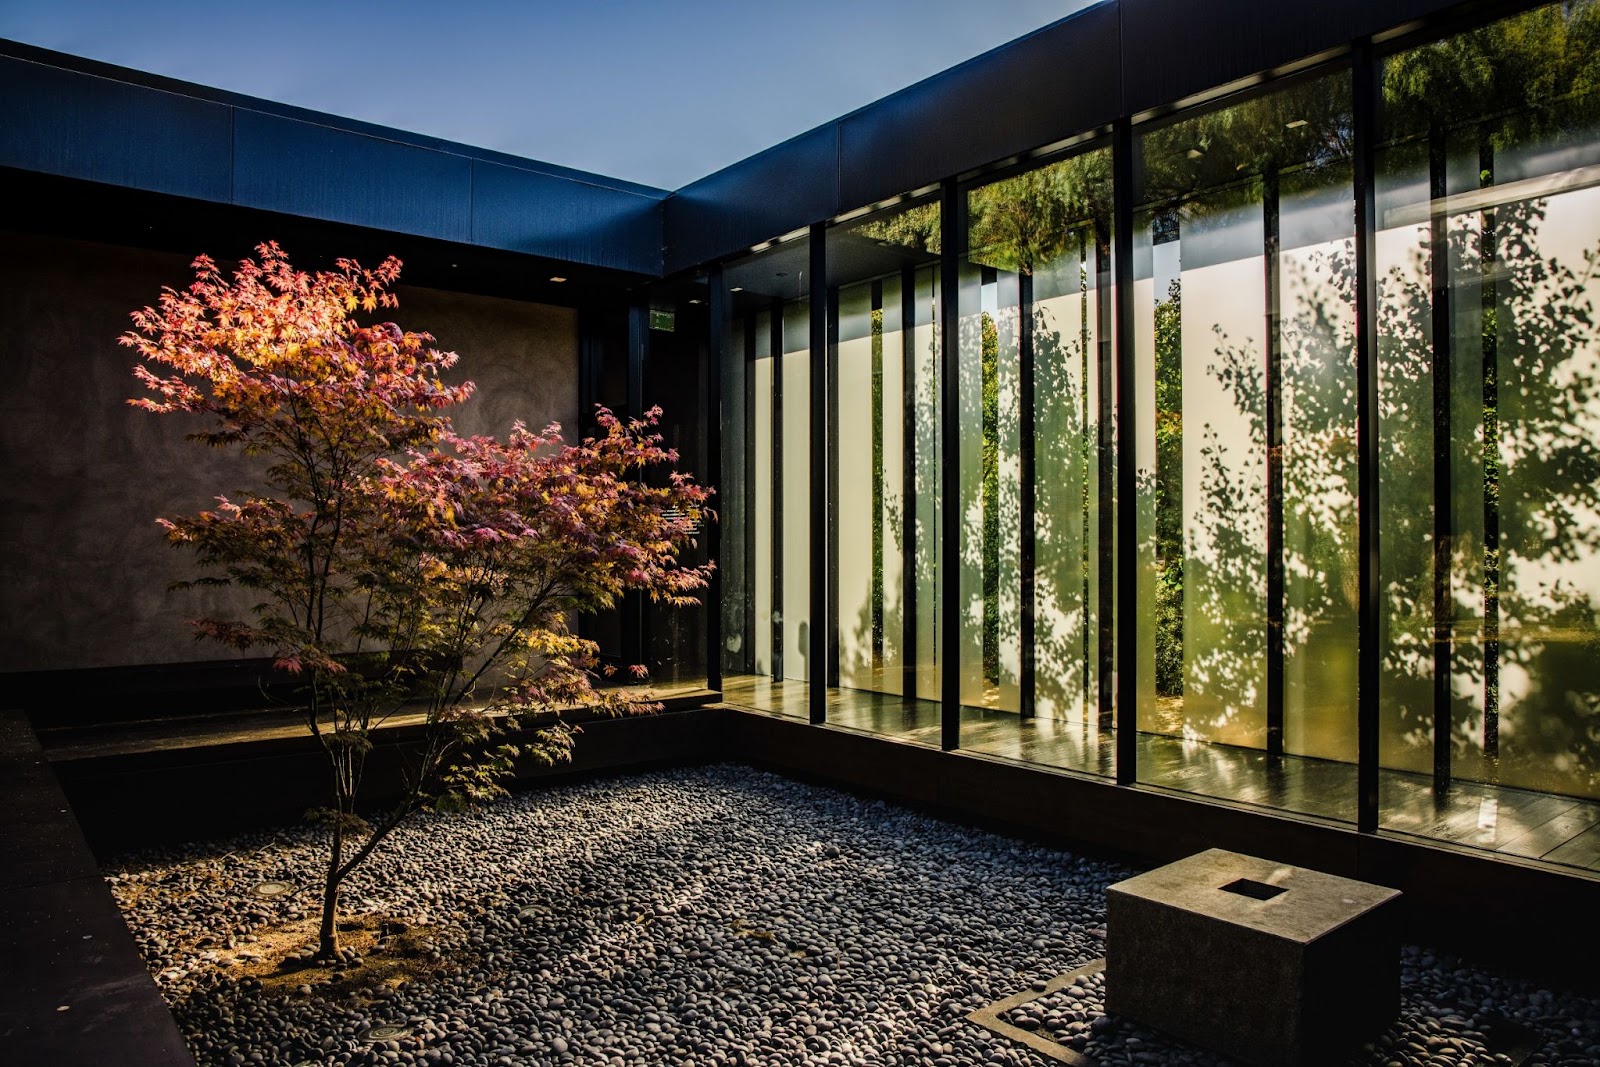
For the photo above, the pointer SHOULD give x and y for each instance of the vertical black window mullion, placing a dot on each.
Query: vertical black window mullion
(747, 351)
(1369, 610)
(1274, 401)
(818, 628)
(831, 621)
(775, 353)
(1126, 502)
(1025, 455)
(716, 339)
(952, 236)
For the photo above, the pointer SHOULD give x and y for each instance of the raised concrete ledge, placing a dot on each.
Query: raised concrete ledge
(1497, 909)
(130, 792)
(73, 988)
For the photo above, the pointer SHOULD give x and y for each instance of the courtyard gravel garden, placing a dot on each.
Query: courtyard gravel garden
(715, 915)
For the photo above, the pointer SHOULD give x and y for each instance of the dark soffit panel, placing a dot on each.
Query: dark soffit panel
(791, 185)
(526, 211)
(300, 168)
(1052, 84)
(79, 126)
(1175, 49)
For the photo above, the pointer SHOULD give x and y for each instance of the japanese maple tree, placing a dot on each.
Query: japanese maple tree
(397, 566)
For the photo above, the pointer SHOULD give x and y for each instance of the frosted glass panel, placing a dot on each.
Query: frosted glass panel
(765, 498)
(1037, 548)
(1160, 565)
(1224, 475)
(1316, 270)
(888, 509)
(859, 556)
(763, 472)
(870, 477)
(1489, 229)
(976, 347)
(1063, 553)
(795, 528)
(1405, 404)
(991, 659)
(924, 428)
(884, 468)
(1245, 334)
(1002, 598)
(1548, 369)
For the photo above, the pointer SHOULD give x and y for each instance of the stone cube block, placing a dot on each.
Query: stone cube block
(1269, 963)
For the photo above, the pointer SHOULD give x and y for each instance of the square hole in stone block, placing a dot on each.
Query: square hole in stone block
(1249, 887)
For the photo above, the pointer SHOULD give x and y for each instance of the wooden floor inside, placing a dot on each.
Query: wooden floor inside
(1518, 822)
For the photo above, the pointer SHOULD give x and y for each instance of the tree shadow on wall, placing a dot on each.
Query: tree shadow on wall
(1542, 485)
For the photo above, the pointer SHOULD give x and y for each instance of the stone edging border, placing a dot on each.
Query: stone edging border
(988, 1017)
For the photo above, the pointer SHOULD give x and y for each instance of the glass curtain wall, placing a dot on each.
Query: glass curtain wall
(1037, 579)
(1488, 246)
(1244, 343)
(766, 492)
(674, 380)
(884, 470)
(1245, 346)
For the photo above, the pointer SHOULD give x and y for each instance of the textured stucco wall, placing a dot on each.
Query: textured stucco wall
(84, 568)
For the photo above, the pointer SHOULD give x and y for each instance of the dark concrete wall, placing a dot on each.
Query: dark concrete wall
(523, 357)
(84, 568)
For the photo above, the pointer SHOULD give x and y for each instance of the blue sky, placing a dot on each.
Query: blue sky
(658, 92)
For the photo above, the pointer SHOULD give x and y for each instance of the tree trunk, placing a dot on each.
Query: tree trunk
(328, 936)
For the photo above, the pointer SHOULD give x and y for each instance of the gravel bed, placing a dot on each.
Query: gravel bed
(1450, 1013)
(710, 916)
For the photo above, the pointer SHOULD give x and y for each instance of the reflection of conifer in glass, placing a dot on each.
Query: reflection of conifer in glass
(1169, 494)
(991, 500)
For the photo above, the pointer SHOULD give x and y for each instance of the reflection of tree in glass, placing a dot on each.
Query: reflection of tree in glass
(982, 550)
(1203, 176)
(1306, 126)
(1224, 557)
(1025, 223)
(989, 495)
(1514, 98)
(915, 227)
(1065, 503)
(1547, 500)
(1168, 486)
(1532, 76)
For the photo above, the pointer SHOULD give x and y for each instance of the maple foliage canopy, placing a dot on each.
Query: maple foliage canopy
(396, 563)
